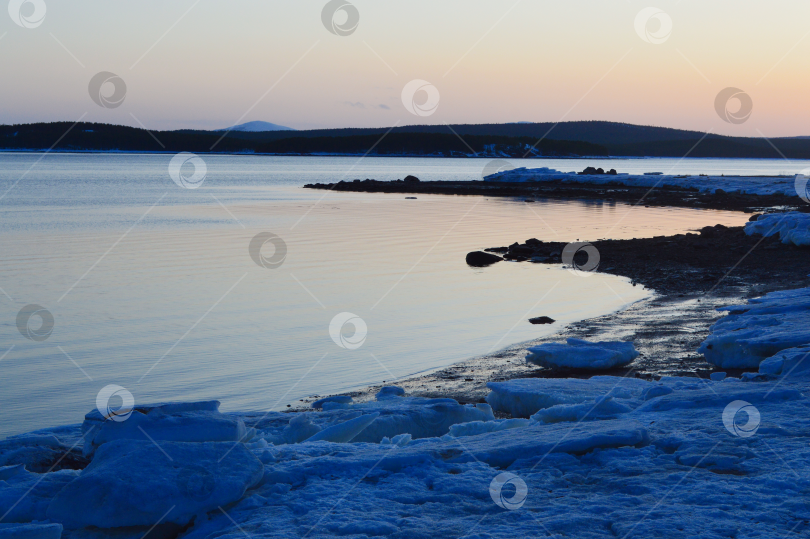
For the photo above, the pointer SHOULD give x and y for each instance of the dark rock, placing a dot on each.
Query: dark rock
(542, 320)
(666, 195)
(708, 232)
(411, 179)
(521, 250)
(480, 259)
(533, 241)
(754, 217)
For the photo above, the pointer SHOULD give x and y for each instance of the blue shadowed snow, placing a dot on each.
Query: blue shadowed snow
(604, 457)
(754, 332)
(792, 227)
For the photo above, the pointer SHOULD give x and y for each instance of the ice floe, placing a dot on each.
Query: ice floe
(580, 354)
(337, 399)
(344, 432)
(140, 483)
(177, 422)
(601, 408)
(25, 496)
(30, 531)
(758, 330)
(790, 362)
(792, 227)
(525, 397)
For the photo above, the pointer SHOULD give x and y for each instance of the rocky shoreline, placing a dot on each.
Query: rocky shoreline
(663, 195)
(690, 274)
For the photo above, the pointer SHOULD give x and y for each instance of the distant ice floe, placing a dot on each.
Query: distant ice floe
(792, 227)
(755, 185)
(581, 354)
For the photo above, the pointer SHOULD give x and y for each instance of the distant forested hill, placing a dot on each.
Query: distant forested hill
(569, 139)
(594, 132)
(105, 137)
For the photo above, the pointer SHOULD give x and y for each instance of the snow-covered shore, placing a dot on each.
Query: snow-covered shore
(606, 456)
(603, 457)
(753, 185)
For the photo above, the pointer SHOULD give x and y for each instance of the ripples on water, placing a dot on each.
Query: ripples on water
(143, 276)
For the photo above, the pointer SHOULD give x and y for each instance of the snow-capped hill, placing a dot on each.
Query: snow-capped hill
(255, 127)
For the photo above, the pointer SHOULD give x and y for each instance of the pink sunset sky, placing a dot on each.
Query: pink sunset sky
(210, 64)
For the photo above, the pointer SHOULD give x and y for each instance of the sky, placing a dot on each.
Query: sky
(210, 64)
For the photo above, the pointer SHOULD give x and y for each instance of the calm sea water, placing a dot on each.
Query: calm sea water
(152, 287)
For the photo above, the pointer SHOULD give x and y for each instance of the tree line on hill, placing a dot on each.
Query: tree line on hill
(65, 136)
(571, 139)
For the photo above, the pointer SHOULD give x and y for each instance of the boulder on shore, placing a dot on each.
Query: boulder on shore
(542, 320)
(480, 259)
